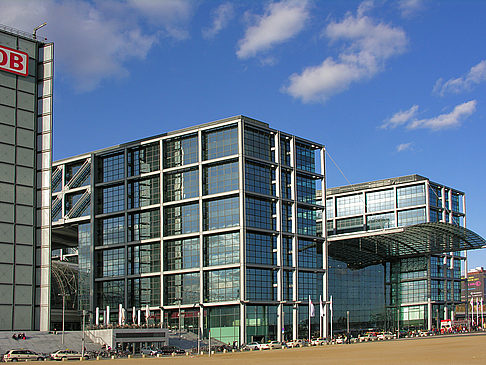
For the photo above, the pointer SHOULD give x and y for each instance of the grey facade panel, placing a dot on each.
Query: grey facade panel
(18, 182)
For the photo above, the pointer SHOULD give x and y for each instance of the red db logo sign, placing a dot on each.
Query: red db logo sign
(14, 61)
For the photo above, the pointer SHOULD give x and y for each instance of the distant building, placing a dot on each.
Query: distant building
(26, 71)
(473, 287)
(396, 252)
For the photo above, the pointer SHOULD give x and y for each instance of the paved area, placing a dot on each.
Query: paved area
(44, 342)
(459, 349)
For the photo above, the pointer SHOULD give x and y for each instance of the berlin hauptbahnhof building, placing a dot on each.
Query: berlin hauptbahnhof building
(219, 227)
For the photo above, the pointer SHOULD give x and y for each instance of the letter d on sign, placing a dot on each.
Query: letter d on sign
(3, 57)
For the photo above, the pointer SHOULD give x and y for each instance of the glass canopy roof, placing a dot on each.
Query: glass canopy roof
(363, 249)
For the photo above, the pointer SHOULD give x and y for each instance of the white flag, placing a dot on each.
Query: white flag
(147, 313)
(312, 310)
(134, 315)
(97, 319)
(120, 314)
(321, 306)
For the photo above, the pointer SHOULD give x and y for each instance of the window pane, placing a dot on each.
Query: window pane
(410, 217)
(143, 159)
(221, 213)
(260, 213)
(411, 195)
(349, 205)
(220, 178)
(111, 168)
(380, 200)
(260, 249)
(181, 219)
(222, 249)
(222, 285)
(181, 185)
(180, 151)
(258, 144)
(220, 143)
(181, 254)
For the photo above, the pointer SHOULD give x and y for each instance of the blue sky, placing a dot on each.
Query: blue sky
(390, 87)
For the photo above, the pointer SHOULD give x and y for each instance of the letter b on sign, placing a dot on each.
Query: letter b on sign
(14, 61)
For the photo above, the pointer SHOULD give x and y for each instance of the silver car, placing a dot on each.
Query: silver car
(22, 355)
(66, 354)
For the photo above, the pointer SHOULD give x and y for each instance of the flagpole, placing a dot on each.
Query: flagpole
(477, 312)
(320, 316)
(332, 314)
(472, 310)
(482, 314)
(309, 318)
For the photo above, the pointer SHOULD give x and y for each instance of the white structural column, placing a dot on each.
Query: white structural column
(295, 255)
(325, 291)
(278, 192)
(44, 154)
(161, 202)
(241, 188)
(201, 237)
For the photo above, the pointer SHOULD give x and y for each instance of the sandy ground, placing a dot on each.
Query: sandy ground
(460, 349)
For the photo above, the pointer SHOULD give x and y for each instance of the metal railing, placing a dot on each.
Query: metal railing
(20, 32)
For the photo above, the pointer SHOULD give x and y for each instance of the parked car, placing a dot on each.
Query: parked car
(339, 340)
(318, 341)
(369, 336)
(385, 336)
(251, 346)
(66, 354)
(22, 355)
(264, 346)
(148, 352)
(167, 350)
(275, 345)
(297, 343)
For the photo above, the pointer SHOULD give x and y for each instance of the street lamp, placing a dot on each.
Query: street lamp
(347, 322)
(200, 307)
(63, 295)
(34, 32)
(83, 340)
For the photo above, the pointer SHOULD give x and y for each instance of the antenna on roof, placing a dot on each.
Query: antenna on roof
(34, 33)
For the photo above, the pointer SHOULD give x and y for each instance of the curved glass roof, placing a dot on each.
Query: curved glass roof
(370, 248)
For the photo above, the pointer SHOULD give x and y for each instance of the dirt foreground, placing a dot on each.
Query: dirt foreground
(460, 349)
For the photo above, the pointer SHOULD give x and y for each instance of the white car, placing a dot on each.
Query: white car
(22, 355)
(252, 346)
(318, 341)
(296, 343)
(274, 345)
(66, 354)
(264, 346)
(385, 336)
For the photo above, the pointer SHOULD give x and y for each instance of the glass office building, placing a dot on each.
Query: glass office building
(396, 252)
(212, 226)
(26, 71)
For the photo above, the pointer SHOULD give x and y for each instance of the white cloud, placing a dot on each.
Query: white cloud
(221, 18)
(369, 46)
(443, 121)
(410, 7)
(476, 75)
(404, 147)
(171, 15)
(281, 21)
(402, 117)
(93, 40)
